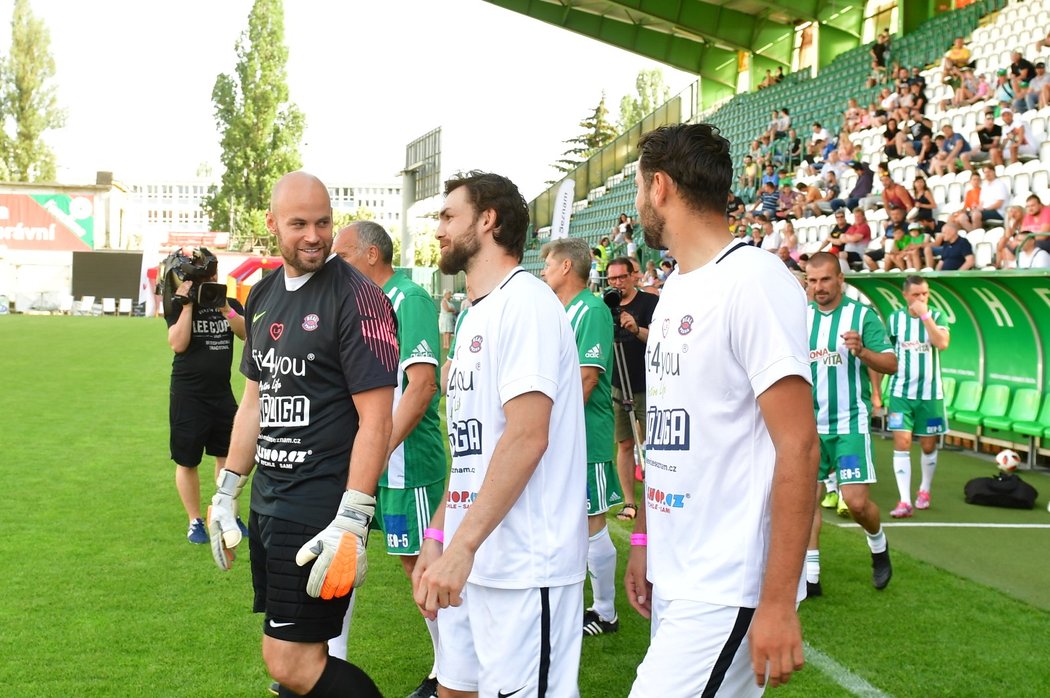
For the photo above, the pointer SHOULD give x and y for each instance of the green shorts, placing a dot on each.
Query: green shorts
(403, 514)
(623, 425)
(851, 455)
(603, 487)
(920, 417)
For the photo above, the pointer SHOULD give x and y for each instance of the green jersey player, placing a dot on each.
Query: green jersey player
(916, 404)
(566, 268)
(845, 340)
(413, 483)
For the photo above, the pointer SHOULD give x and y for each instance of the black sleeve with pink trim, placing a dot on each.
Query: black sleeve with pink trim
(368, 346)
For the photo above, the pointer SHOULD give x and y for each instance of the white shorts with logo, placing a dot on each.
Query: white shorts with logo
(523, 643)
(696, 649)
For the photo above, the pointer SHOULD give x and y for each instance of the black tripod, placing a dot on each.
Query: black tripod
(627, 401)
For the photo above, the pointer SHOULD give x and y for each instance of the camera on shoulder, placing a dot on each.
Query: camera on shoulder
(199, 268)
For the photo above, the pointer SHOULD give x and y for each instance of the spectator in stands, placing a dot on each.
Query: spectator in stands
(666, 267)
(956, 57)
(862, 187)
(1012, 236)
(891, 136)
(989, 134)
(1004, 89)
(835, 242)
(909, 141)
(783, 123)
(767, 81)
(630, 245)
(916, 76)
(857, 239)
(966, 93)
(771, 127)
(889, 100)
(794, 148)
(846, 148)
(1037, 219)
(771, 238)
(893, 194)
(787, 201)
(953, 146)
(767, 201)
(1021, 70)
(1017, 140)
(852, 115)
(779, 75)
(969, 216)
(756, 152)
(928, 150)
(1042, 43)
(955, 252)
(785, 256)
(880, 49)
(821, 205)
(650, 277)
(834, 165)
(819, 135)
(770, 176)
(1031, 256)
(789, 238)
(735, 205)
(896, 228)
(622, 226)
(749, 177)
(1038, 88)
(923, 204)
(995, 195)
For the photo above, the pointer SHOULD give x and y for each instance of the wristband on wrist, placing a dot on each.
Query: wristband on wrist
(434, 534)
(926, 316)
(639, 539)
(232, 314)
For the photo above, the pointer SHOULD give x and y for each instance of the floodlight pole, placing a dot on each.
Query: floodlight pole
(408, 197)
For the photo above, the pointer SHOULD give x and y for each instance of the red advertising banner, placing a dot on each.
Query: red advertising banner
(47, 222)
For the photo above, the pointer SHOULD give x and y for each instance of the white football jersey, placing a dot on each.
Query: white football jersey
(721, 335)
(514, 341)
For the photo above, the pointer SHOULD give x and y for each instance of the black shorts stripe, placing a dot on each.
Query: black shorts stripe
(545, 641)
(729, 649)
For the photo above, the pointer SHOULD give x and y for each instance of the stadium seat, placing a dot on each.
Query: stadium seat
(1038, 427)
(948, 389)
(124, 308)
(87, 305)
(967, 398)
(1025, 408)
(993, 404)
(109, 306)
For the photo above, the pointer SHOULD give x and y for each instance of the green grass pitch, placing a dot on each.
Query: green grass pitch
(100, 595)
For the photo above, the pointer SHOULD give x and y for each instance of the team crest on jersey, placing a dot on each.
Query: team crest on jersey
(276, 330)
(666, 326)
(686, 325)
(475, 344)
(310, 322)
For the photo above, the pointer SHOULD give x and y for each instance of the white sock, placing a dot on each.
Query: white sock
(928, 463)
(432, 626)
(337, 645)
(813, 566)
(902, 471)
(601, 563)
(831, 482)
(877, 541)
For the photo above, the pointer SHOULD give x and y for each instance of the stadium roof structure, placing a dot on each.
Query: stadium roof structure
(705, 37)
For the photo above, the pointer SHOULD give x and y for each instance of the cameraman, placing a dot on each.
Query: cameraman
(632, 315)
(201, 406)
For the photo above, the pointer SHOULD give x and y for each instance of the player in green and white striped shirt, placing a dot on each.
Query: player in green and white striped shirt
(916, 404)
(566, 269)
(846, 338)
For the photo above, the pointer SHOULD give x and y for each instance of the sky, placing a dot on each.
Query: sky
(136, 77)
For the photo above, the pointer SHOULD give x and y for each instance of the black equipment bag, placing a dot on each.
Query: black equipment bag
(1004, 490)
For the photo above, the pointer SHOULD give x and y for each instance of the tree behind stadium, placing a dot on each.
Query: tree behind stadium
(28, 100)
(261, 129)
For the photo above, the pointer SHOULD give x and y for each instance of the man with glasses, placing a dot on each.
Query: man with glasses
(632, 316)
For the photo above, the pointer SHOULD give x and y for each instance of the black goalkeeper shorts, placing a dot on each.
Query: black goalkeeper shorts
(200, 425)
(280, 584)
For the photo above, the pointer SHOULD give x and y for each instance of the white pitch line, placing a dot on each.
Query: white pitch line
(934, 524)
(840, 674)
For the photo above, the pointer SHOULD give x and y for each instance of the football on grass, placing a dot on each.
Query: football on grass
(1008, 460)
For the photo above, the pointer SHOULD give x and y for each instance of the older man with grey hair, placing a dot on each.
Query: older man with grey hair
(413, 483)
(566, 263)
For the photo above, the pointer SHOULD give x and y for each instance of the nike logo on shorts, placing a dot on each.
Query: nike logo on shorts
(255, 318)
(501, 694)
(275, 624)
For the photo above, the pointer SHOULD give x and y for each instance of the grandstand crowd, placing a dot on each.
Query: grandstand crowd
(906, 183)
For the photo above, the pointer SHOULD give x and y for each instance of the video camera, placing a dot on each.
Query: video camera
(199, 269)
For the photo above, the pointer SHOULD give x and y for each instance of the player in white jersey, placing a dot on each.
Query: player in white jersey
(846, 339)
(916, 404)
(731, 445)
(503, 564)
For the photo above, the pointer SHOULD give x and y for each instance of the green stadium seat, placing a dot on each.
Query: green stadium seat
(1024, 408)
(948, 388)
(967, 398)
(1038, 427)
(994, 404)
